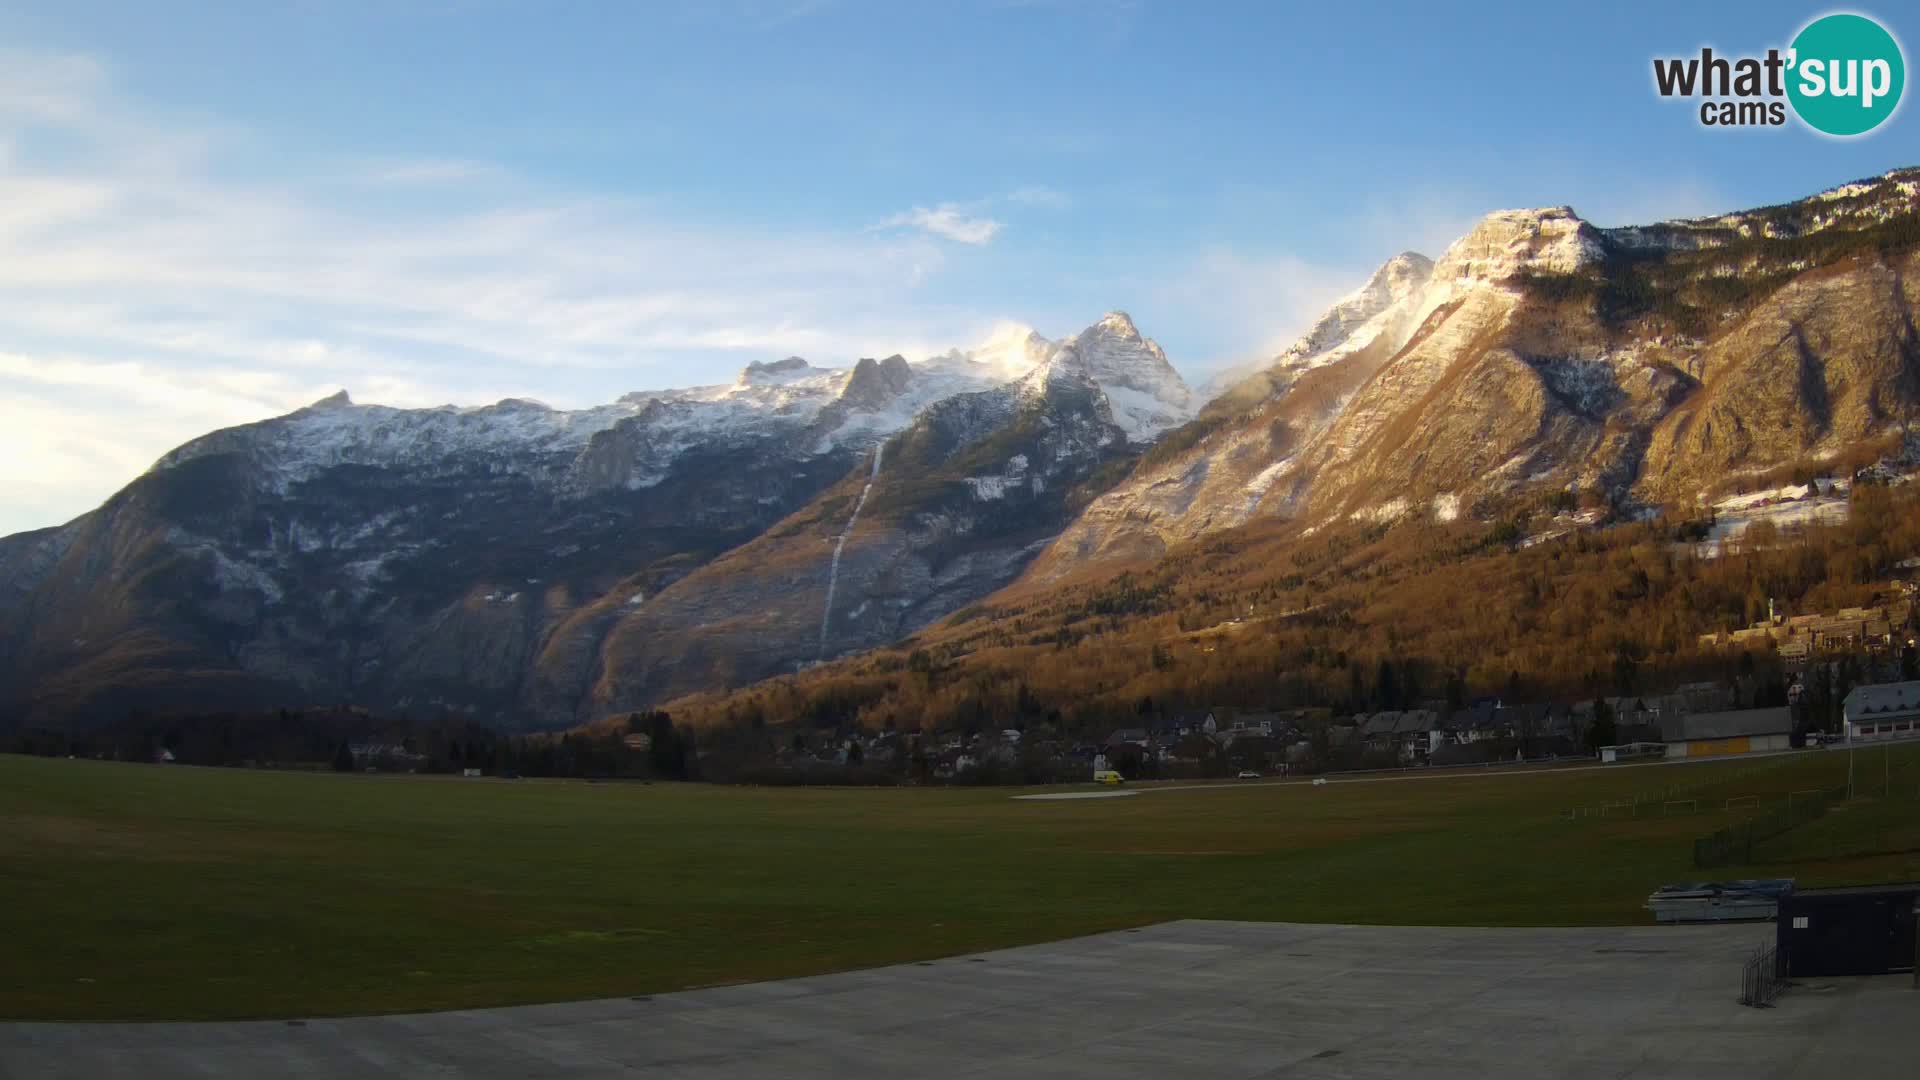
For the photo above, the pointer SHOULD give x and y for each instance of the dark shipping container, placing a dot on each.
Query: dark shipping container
(1864, 930)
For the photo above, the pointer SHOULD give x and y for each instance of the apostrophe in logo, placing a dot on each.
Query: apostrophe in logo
(1847, 74)
(1842, 75)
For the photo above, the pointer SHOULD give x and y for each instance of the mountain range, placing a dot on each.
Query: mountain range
(535, 568)
(515, 563)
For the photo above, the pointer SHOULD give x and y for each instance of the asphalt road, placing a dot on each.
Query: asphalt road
(1209, 999)
(1456, 772)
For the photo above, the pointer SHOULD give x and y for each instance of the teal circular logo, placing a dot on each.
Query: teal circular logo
(1846, 74)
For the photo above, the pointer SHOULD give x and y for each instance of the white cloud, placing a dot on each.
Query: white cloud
(150, 292)
(1645, 202)
(1253, 304)
(1038, 195)
(48, 86)
(948, 221)
(424, 172)
(1425, 221)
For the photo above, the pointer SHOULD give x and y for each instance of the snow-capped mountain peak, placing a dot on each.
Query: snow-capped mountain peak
(776, 372)
(1347, 321)
(814, 409)
(1009, 353)
(1507, 243)
(1146, 394)
(874, 383)
(1379, 308)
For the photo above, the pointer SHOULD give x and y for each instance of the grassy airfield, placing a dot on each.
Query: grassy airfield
(142, 892)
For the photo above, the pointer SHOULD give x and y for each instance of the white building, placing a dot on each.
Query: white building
(1882, 713)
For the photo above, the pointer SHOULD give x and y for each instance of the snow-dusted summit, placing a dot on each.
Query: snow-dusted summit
(1146, 395)
(1332, 336)
(473, 559)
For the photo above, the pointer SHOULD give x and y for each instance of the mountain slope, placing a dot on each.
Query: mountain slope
(941, 515)
(1542, 354)
(425, 559)
(525, 565)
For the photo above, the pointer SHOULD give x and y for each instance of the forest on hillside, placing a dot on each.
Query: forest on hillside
(1356, 618)
(1363, 618)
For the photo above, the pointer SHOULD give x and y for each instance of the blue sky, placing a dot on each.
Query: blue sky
(215, 212)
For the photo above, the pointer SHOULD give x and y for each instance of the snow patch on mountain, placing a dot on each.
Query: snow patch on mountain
(1507, 243)
(993, 488)
(1264, 479)
(1146, 395)
(777, 372)
(1390, 510)
(522, 437)
(229, 574)
(988, 488)
(1009, 353)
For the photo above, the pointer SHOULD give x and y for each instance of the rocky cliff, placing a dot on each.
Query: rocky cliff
(1624, 367)
(431, 559)
(532, 566)
(942, 514)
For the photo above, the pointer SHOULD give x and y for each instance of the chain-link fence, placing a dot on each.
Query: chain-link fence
(1734, 844)
(1681, 798)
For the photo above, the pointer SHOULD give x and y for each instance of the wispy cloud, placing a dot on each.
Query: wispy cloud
(1649, 201)
(1039, 195)
(424, 172)
(149, 290)
(1254, 303)
(949, 221)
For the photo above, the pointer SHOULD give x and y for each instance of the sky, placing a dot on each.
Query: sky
(218, 212)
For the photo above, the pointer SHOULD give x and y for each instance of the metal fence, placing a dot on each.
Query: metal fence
(1764, 977)
(1734, 844)
(1675, 798)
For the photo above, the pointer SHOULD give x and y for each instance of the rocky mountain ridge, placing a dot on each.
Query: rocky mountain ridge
(1540, 353)
(537, 567)
(455, 558)
(946, 512)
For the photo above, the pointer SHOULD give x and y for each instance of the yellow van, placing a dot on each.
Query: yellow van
(1108, 776)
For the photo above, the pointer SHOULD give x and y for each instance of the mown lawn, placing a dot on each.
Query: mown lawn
(142, 892)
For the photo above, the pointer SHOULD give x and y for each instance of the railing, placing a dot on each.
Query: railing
(1764, 978)
(1676, 798)
(1734, 844)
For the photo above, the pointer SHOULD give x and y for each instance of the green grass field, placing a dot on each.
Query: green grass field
(141, 892)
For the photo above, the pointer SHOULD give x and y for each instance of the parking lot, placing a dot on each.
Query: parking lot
(1187, 998)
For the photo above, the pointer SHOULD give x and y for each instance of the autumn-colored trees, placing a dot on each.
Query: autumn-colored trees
(1355, 618)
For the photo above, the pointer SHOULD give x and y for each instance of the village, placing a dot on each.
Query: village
(1694, 720)
(1797, 638)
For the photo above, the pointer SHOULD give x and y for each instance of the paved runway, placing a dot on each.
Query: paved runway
(1209, 999)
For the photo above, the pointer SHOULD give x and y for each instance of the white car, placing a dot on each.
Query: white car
(1247, 774)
